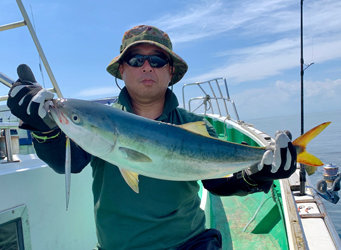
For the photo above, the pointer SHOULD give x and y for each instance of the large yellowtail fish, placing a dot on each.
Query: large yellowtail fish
(138, 145)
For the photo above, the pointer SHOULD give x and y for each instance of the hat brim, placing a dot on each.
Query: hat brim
(179, 65)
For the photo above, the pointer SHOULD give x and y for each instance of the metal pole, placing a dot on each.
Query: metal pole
(40, 51)
(302, 72)
(9, 151)
(302, 167)
(6, 80)
(12, 25)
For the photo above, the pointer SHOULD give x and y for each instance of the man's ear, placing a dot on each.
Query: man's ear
(121, 69)
(171, 70)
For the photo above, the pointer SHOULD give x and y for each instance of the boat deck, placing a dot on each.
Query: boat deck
(248, 222)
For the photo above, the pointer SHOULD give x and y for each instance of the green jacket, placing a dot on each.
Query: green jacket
(164, 215)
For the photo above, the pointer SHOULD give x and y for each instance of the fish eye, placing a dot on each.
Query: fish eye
(75, 118)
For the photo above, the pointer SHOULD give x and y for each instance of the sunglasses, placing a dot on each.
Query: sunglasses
(155, 61)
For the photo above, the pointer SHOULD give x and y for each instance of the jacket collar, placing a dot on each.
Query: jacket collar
(171, 103)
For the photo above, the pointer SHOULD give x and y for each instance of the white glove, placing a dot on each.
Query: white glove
(273, 156)
(278, 162)
(43, 99)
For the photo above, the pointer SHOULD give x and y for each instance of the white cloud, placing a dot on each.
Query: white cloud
(324, 89)
(283, 98)
(270, 59)
(270, 20)
(264, 48)
(322, 17)
(210, 18)
(255, 66)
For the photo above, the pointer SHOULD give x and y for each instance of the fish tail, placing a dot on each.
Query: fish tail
(301, 143)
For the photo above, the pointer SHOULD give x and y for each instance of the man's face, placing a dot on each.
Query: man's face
(145, 83)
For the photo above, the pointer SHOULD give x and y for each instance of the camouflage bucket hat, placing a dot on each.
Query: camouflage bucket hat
(150, 35)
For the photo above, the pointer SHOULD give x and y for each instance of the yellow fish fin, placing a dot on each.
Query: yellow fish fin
(118, 106)
(131, 178)
(198, 127)
(310, 169)
(304, 139)
(301, 143)
(309, 159)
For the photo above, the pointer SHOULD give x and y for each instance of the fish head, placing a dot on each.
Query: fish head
(83, 122)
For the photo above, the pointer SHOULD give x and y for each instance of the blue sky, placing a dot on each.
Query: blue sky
(254, 44)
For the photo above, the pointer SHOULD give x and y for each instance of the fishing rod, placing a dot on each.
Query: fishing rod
(302, 167)
(303, 68)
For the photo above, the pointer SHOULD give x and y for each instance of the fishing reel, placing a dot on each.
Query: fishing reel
(329, 186)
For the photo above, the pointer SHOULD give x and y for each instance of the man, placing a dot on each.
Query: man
(165, 214)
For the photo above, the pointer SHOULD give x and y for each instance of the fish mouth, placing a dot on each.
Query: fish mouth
(57, 113)
(59, 102)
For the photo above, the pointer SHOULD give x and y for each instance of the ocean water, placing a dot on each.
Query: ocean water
(326, 146)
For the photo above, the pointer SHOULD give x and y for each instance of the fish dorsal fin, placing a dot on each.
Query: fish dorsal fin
(131, 178)
(198, 127)
(133, 155)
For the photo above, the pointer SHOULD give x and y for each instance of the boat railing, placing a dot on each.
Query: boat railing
(6, 125)
(213, 101)
(6, 80)
(9, 138)
(7, 148)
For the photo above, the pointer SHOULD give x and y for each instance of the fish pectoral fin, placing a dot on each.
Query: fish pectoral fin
(198, 127)
(134, 155)
(131, 178)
